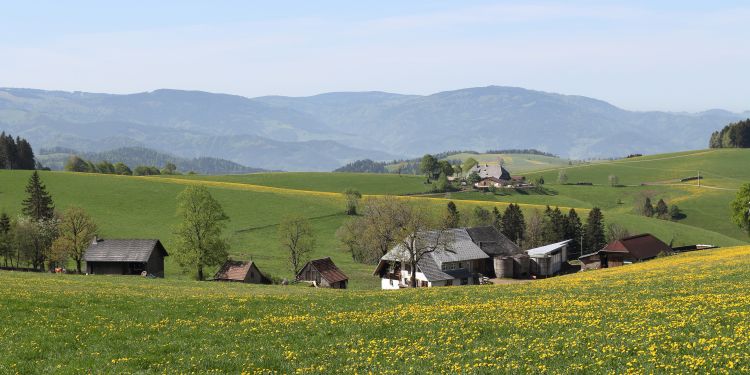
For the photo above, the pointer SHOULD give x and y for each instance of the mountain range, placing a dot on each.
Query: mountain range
(326, 131)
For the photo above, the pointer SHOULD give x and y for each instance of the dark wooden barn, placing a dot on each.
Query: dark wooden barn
(125, 257)
(625, 251)
(243, 272)
(324, 273)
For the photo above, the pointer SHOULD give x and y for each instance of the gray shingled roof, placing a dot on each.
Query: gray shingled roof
(459, 248)
(492, 242)
(122, 250)
(486, 170)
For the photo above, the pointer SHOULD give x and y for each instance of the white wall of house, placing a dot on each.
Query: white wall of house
(388, 284)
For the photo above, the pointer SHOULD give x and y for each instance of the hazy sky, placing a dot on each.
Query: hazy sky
(671, 56)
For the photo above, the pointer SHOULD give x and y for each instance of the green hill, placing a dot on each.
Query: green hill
(679, 314)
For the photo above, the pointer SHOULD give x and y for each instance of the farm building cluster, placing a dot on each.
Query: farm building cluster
(459, 256)
(496, 176)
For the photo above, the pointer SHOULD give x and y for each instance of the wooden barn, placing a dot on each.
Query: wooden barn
(125, 257)
(324, 273)
(503, 254)
(242, 272)
(625, 251)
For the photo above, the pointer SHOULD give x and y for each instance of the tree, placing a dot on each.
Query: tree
(573, 232)
(76, 231)
(352, 197)
(76, 164)
(497, 219)
(594, 236)
(540, 181)
(415, 240)
(33, 240)
(38, 204)
(457, 170)
(198, 236)
(442, 184)
(474, 178)
(554, 230)
(734, 135)
(562, 177)
(613, 180)
(535, 230)
(514, 225)
(169, 168)
(445, 167)
(5, 238)
(616, 232)
(122, 169)
(675, 213)
(452, 216)
(105, 167)
(370, 236)
(481, 217)
(297, 239)
(428, 166)
(648, 208)
(662, 210)
(741, 208)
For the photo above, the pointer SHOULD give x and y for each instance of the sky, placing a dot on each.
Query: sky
(638, 55)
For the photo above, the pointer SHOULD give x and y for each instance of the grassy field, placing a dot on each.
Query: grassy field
(144, 207)
(681, 314)
(516, 163)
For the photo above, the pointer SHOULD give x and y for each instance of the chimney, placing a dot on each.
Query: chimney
(95, 240)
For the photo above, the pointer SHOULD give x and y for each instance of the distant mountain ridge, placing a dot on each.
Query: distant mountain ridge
(326, 131)
(56, 158)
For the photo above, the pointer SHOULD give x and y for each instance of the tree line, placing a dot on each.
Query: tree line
(734, 135)
(380, 225)
(78, 164)
(41, 236)
(16, 153)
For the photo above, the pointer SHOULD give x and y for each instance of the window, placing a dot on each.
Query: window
(447, 266)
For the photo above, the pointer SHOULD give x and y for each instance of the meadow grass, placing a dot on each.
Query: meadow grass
(680, 314)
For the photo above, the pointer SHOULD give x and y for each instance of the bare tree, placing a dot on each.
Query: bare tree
(416, 240)
(297, 238)
(372, 235)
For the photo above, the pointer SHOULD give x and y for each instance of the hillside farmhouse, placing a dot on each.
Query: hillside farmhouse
(243, 272)
(625, 251)
(323, 273)
(505, 257)
(125, 257)
(548, 260)
(487, 171)
(459, 262)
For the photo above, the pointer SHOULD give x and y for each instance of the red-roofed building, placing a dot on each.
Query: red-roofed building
(627, 250)
(243, 272)
(324, 273)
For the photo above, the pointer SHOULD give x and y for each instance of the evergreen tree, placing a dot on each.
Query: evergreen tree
(573, 231)
(554, 225)
(648, 208)
(482, 217)
(25, 155)
(594, 236)
(38, 205)
(497, 219)
(514, 225)
(662, 210)
(452, 216)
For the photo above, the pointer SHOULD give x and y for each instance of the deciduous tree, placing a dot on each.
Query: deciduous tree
(741, 208)
(297, 239)
(352, 197)
(76, 229)
(199, 242)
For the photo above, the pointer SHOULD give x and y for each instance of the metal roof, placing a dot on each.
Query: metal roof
(122, 250)
(546, 249)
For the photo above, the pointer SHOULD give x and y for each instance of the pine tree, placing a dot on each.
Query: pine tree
(554, 230)
(662, 210)
(38, 205)
(514, 225)
(648, 208)
(594, 236)
(452, 216)
(573, 231)
(497, 219)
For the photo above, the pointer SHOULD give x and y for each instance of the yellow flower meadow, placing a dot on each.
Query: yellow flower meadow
(683, 314)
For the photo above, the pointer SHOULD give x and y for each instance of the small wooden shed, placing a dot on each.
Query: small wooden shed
(242, 272)
(324, 273)
(125, 257)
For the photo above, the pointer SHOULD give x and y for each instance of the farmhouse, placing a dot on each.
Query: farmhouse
(125, 257)
(238, 271)
(459, 262)
(487, 170)
(489, 182)
(504, 260)
(548, 260)
(324, 273)
(625, 251)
